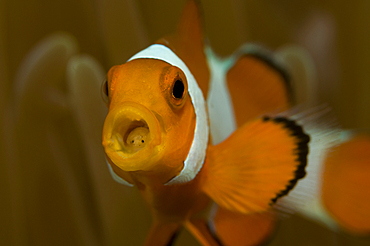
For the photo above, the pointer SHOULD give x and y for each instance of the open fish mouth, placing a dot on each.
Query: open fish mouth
(137, 136)
(131, 136)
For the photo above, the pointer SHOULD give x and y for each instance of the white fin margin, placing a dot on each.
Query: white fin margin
(197, 152)
(117, 178)
(324, 134)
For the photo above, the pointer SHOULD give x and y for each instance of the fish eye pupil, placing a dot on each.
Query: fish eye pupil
(178, 89)
(104, 92)
(105, 88)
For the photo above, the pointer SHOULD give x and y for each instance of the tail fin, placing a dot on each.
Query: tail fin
(260, 162)
(346, 184)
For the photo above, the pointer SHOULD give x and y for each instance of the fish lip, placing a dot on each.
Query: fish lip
(122, 120)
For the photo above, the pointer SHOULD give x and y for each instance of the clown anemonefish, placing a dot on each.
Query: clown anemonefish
(188, 129)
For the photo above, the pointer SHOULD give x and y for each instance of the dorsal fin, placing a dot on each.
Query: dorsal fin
(257, 85)
(188, 43)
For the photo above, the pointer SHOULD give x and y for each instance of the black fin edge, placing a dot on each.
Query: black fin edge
(302, 152)
(173, 238)
(214, 234)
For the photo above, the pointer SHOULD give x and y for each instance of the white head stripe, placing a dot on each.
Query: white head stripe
(197, 152)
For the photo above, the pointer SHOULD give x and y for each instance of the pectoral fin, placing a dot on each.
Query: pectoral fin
(260, 162)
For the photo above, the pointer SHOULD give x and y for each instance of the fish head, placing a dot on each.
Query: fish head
(151, 120)
(157, 123)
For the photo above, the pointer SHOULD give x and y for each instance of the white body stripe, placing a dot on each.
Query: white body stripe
(220, 107)
(197, 152)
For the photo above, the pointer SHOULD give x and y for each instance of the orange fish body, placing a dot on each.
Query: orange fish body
(160, 129)
(167, 134)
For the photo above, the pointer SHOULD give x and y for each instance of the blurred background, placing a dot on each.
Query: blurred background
(54, 184)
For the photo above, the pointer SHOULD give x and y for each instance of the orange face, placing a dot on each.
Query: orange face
(150, 125)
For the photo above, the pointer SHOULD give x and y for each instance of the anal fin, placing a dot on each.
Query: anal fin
(234, 228)
(200, 230)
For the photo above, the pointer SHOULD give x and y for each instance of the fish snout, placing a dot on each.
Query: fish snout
(132, 136)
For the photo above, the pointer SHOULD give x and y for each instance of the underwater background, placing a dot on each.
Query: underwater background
(54, 184)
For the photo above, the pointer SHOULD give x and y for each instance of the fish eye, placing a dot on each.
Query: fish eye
(174, 86)
(105, 92)
(178, 89)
